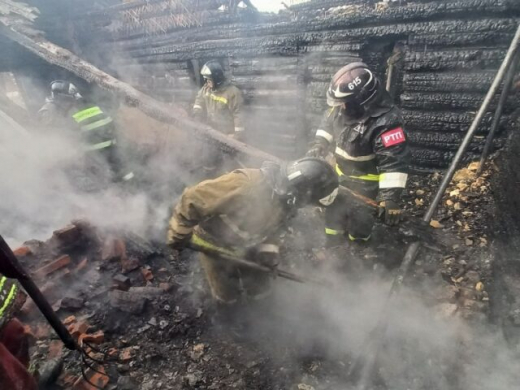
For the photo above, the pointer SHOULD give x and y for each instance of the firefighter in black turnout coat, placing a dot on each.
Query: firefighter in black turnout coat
(364, 131)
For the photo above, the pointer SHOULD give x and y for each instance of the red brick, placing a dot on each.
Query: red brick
(126, 355)
(94, 338)
(55, 349)
(67, 380)
(100, 380)
(112, 352)
(147, 274)
(53, 266)
(82, 264)
(67, 236)
(130, 264)
(22, 251)
(113, 249)
(69, 320)
(79, 328)
(48, 290)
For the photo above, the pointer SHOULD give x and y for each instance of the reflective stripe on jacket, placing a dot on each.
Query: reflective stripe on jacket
(236, 210)
(8, 293)
(96, 127)
(223, 108)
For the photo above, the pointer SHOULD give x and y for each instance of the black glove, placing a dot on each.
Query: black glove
(317, 150)
(179, 242)
(267, 255)
(392, 212)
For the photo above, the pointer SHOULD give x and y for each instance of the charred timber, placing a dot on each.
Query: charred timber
(448, 82)
(449, 121)
(447, 101)
(459, 59)
(463, 10)
(67, 60)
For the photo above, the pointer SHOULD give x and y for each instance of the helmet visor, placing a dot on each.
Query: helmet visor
(329, 199)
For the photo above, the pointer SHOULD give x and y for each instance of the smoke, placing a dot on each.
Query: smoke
(422, 348)
(49, 180)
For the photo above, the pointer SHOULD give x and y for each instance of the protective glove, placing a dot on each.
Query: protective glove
(391, 211)
(179, 242)
(267, 255)
(317, 150)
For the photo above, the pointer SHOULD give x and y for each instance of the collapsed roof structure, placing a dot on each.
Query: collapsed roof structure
(443, 57)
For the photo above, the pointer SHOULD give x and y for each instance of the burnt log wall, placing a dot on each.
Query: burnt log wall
(449, 53)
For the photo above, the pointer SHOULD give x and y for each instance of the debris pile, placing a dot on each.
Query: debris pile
(465, 214)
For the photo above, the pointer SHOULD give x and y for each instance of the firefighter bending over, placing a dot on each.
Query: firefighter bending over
(364, 130)
(67, 108)
(242, 214)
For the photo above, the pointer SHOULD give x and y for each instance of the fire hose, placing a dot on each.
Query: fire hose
(11, 268)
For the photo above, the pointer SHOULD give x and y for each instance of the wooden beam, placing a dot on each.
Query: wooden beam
(174, 116)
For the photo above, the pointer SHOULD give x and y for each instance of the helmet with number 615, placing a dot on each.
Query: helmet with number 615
(354, 85)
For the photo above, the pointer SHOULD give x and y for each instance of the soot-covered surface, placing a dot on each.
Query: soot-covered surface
(303, 337)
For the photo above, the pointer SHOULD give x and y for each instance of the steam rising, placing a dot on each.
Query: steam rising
(48, 181)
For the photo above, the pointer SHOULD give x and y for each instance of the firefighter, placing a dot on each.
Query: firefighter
(364, 131)
(220, 105)
(14, 345)
(66, 108)
(242, 214)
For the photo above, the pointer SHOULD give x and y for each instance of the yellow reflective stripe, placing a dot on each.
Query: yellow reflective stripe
(102, 145)
(203, 243)
(88, 113)
(220, 99)
(97, 124)
(2, 282)
(333, 232)
(352, 238)
(369, 177)
(9, 299)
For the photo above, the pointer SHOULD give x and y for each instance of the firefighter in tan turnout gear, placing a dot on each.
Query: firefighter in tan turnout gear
(220, 105)
(364, 130)
(66, 108)
(242, 214)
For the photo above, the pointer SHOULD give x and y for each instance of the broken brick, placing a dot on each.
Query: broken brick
(112, 352)
(48, 290)
(69, 320)
(67, 236)
(126, 355)
(55, 349)
(53, 266)
(130, 264)
(82, 264)
(99, 379)
(121, 282)
(77, 329)
(94, 338)
(147, 274)
(22, 251)
(113, 249)
(67, 380)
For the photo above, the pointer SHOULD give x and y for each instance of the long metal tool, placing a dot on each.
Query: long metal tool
(508, 81)
(12, 269)
(365, 364)
(254, 266)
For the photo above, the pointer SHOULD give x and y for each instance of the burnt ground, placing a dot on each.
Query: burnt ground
(304, 337)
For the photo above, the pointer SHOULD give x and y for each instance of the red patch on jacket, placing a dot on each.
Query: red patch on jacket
(393, 137)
